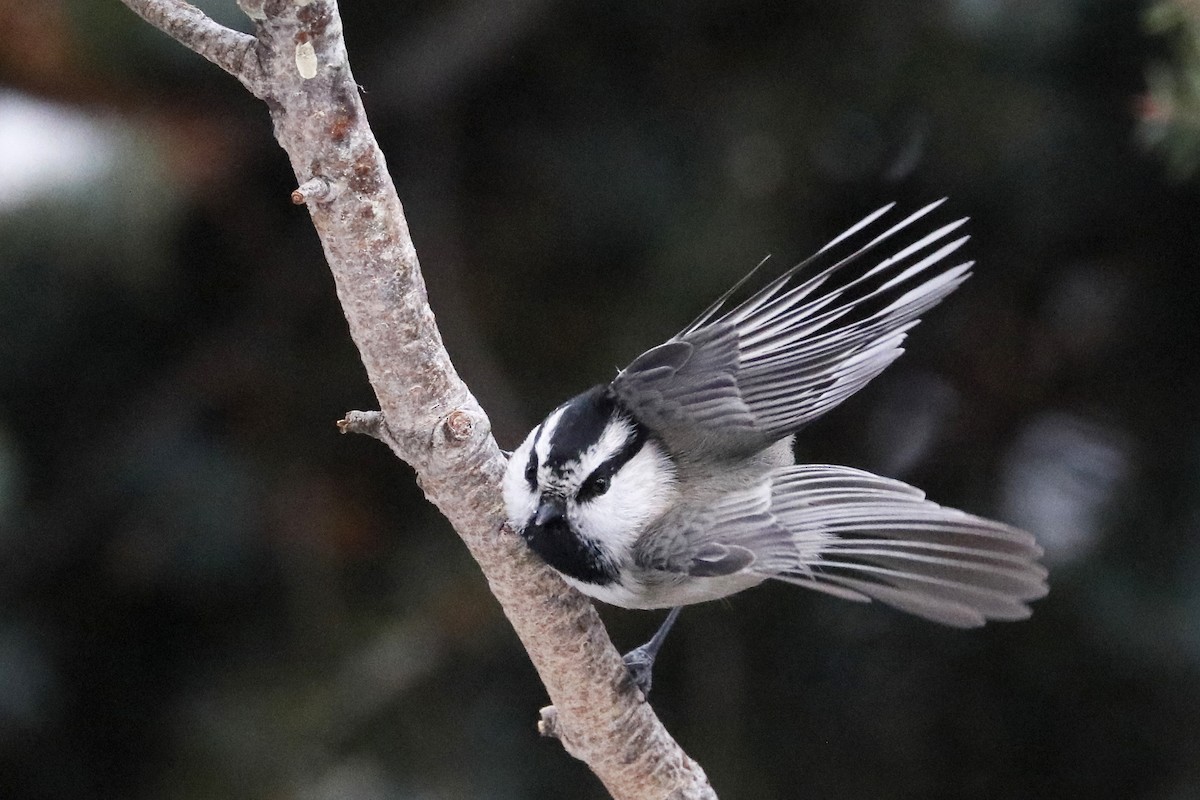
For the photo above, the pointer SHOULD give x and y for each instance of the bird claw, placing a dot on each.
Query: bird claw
(640, 663)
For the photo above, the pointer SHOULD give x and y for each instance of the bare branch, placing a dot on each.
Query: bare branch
(230, 50)
(427, 415)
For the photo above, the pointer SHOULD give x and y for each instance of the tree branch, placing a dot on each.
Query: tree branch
(298, 62)
(230, 50)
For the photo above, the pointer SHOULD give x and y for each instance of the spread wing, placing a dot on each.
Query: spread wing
(736, 380)
(859, 536)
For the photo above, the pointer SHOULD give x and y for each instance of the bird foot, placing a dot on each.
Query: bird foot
(640, 660)
(640, 663)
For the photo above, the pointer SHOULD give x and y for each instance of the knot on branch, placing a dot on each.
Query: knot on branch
(464, 426)
(458, 425)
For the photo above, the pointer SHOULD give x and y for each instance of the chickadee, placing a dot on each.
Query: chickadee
(676, 483)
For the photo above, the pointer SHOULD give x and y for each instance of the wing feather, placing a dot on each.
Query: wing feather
(737, 379)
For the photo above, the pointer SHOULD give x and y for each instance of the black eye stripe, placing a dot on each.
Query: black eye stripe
(532, 465)
(531, 470)
(596, 483)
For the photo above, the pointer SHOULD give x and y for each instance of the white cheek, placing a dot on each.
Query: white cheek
(640, 492)
(520, 501)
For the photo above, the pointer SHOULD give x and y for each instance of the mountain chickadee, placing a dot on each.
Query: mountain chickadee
(676, 482)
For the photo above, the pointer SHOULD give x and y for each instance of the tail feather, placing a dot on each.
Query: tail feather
(857, 535)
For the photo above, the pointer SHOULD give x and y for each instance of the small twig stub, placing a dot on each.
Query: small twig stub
(368, 423)
(318, 190)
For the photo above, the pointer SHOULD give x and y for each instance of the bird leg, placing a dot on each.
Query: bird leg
(640, 660)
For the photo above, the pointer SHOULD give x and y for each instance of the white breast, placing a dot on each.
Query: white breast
(649, 590)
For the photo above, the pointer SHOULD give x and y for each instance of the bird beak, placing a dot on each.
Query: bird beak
(551, 509)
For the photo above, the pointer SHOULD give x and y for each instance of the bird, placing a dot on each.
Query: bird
(676, 482)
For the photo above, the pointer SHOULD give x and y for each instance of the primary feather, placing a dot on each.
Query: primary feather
(733, 382)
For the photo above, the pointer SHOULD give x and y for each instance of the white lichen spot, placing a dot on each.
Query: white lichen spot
(306, 60)
(253, 8)
(303, 2)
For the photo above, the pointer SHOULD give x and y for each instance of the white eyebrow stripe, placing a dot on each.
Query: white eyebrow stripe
(617, 433)
(543, 443)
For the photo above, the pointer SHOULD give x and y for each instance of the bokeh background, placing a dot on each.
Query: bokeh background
(206, 592)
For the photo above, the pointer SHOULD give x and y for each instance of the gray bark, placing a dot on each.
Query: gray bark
(297, 64)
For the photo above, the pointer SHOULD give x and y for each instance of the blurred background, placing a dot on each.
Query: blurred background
(206, 592)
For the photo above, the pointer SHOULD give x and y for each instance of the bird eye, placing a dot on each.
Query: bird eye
(594, 486)
(531, 470)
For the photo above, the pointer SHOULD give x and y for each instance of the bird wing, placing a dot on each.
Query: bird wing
(737, 379)
(859, 536)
